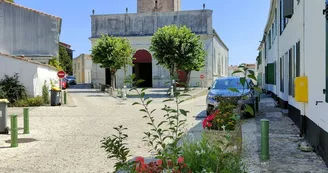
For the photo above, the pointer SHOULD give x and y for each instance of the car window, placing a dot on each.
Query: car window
(228, 83)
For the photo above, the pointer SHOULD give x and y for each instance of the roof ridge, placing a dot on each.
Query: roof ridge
(30, 9)
(28, 60)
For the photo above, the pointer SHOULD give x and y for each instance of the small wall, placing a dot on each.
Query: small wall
(44, 75)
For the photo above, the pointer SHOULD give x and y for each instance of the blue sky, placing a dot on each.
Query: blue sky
(239, 23)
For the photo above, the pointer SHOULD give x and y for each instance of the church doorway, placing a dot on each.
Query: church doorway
(143, 68)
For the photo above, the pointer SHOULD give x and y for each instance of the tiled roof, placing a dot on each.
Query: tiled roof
(30, 9)
(27, 60)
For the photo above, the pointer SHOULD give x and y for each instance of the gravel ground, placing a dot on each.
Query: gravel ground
(285, 157)
(67, 138)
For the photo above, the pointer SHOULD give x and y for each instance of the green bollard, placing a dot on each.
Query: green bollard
(264, 139)
(65, 97)
(14, 131)
(257, 103)
(26, 121)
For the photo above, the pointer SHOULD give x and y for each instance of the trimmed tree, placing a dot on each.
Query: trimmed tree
(65, 60)
(113, 53)
(178, 48)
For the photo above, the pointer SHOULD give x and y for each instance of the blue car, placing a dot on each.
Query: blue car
(221, 87)
(71, 80)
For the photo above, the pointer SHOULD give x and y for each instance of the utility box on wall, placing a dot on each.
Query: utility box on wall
(301, 89)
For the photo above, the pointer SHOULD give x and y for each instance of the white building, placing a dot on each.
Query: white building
(138, 28)
(294, 45)
(32, 74)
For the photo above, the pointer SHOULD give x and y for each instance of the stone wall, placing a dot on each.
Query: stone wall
(146, 6)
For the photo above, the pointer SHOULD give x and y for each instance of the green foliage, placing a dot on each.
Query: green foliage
(45, 93)
(164, 135)
(12, 1)
(247, 74)
(2, 93)
(30, 102)
(12, 89)
(113, 53)
(116, 148)
(204, 156)
(65, 60)
(55, 63)
(178, 48)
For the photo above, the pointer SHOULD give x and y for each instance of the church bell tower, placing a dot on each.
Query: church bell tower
(147, 6)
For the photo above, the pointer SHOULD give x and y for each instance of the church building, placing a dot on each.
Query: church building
(139, 27)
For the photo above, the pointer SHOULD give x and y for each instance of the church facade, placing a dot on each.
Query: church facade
(139, 27)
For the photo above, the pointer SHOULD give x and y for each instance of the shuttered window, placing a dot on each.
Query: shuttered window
(288, 7)
(282, 86)
(270, 73)
(290, 69)
(298, 59)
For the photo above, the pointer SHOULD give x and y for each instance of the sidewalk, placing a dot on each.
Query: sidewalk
(283, 140)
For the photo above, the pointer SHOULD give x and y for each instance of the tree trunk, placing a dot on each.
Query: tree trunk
(188, 73)
(113, 79)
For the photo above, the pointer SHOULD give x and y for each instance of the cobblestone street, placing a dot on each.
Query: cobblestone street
(67, 138)
(285, 157)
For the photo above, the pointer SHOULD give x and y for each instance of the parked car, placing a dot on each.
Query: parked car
(64, 84)
(71, 80)
(221, 87)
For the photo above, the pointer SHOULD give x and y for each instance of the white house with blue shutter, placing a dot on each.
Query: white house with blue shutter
(293, 64)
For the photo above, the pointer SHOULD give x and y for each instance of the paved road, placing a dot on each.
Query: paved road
(68, 137)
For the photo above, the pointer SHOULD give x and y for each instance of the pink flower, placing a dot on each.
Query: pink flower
(180, 160)
(140, 160)
(159, 162)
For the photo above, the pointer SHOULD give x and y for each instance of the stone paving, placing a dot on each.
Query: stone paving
(67, 138)
(285, 157)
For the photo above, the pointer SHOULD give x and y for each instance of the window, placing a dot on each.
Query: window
(283, 17)
(273, 33)
(276, 22)
(298, 59)
(290, 69)
(282, 86)
(270, 73)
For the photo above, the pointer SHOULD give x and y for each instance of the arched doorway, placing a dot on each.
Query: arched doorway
(143, 68)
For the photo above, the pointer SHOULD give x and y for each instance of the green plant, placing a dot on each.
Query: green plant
(163, 140)
(113, 53)
(65, 60)
(178, 48)
(14, 90)
(55, 63)
(45, 93)
(116, 148)
(244, 80)
(203, 156)
(2, 93)
(30, 102)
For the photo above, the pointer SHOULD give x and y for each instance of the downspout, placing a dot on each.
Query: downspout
(303, 119)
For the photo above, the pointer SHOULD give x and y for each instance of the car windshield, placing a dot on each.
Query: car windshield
(228, 83)
(70, 77)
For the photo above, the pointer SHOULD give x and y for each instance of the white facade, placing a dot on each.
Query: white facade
(82, 68)
(216, 63)
(31, 74)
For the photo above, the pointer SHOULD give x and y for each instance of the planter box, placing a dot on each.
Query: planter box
(218, 137)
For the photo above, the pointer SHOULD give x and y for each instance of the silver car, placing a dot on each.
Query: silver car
(222, 87)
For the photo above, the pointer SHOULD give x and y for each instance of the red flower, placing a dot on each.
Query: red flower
(140, 160)
(180, 160)
(204, 123)
(209, 124)
(159, 162)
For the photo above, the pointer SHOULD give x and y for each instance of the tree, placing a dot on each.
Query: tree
(55, 63)
(178, 48)
(65, 60)
(12, 1)
(113, 53)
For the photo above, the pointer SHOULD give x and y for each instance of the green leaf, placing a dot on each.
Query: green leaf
(243, 81)
(249, 109)
(142, 95)
(168, 100)
(185, 95)
(252, 77)
(251, 72)
(234, 90)
(148, 102)
(257, 89)
(143, 110)
(136, 103)
(237, 71)
(183, 112)
(153, 111)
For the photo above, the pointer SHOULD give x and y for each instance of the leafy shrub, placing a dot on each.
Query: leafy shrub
(30, 102)
(205, 157)
(55, 63)
(14, 90)
(2, 93)
(45, 93)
